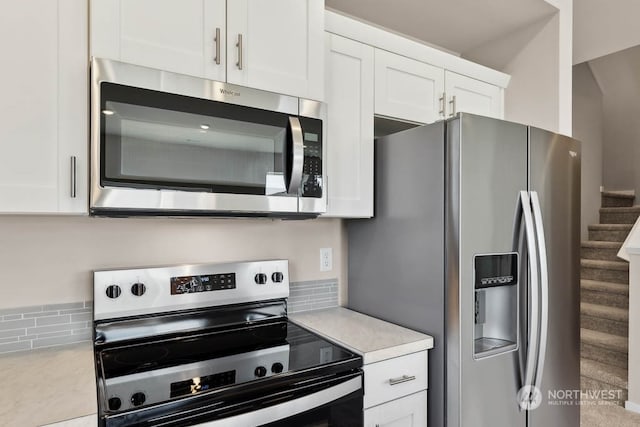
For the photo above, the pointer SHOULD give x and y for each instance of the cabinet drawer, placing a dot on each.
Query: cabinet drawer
(394, 378)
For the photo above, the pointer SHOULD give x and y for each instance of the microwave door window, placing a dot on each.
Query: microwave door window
(148, 147)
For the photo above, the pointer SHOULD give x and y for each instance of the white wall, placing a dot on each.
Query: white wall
(533, 92)
(538, 58)
(588, 128)
(618, 77)
(604, 27)
(633, 401)
(47, 259)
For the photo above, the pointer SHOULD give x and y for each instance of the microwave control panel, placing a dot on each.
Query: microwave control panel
(312, 182)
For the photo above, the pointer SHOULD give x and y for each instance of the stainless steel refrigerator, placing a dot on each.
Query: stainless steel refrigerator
(475, 241)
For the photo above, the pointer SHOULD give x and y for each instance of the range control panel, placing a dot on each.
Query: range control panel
(147, 388)
(204, 283)
(121, 293)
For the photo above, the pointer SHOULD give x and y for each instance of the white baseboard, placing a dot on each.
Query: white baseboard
(632, 406)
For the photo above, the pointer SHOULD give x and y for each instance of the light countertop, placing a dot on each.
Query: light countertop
(374, 339)
(56, 384)
(47, 385)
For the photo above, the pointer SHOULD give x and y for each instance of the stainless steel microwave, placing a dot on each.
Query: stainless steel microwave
(169, 144)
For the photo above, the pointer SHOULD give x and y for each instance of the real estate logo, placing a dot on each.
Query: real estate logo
(529, 397)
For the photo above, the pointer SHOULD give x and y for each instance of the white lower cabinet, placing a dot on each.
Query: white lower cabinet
(395, 392)
(409, 411)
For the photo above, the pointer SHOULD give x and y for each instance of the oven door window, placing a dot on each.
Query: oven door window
(159, 140)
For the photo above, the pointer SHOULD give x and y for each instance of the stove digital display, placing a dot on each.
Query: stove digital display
(198, 384)
(204, 283)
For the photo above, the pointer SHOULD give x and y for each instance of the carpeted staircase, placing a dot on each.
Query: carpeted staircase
(604, 305)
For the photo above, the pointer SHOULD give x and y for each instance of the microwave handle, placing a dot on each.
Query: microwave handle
(296, 153)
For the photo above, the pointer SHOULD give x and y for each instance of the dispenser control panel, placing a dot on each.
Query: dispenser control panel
(496, 270)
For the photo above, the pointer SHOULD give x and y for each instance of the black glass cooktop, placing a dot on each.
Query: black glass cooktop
(142, 374)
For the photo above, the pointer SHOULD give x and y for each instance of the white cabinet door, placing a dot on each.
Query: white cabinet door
(178, 36)
(43, 107)
(409, 411)
(349, 84)
(281, 47)
(407, 89)
(472, 96)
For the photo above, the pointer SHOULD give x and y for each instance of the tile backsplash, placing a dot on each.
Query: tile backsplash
(312, 295)
(33, 327)
(28, 328)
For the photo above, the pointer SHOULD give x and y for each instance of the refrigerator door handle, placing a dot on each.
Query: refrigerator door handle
(524, 211)
(544, 287)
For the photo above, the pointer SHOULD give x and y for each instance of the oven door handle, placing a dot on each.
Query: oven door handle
(288, 409)
(295, 156)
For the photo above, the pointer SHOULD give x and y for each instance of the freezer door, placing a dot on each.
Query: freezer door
(486, 170)
(554, 166)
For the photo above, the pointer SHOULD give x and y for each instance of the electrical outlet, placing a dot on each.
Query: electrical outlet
(326, 259)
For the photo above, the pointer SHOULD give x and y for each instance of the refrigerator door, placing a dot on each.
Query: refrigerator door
(486, 170)
(554, 166)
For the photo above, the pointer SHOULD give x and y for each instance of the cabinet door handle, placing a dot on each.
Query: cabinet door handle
(402, 379)
(239, 46)
(217, 41)
(74, 177)
(442, 104)
(452, 102)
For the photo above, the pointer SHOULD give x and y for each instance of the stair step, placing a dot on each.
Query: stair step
(619, 215)
(613, 375)
(596, 392)
(609, 232)
(604, 312)
(601, 339)
(605, 271)
(611, 199)
(604, 348)
(608, 383)
(598, 286)
(604, 293)
(594, 249)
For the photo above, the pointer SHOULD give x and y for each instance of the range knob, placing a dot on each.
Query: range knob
(261, 278)
(138, 398)
(138, 289)
(260, 371)
(113, 291)
(277, 367)
(115, 403)
(277, 277)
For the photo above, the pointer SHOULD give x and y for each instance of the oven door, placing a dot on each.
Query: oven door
(332, 401)
(338, 406)
(164, 143)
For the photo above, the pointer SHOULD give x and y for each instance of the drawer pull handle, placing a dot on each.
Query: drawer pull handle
(402, 379)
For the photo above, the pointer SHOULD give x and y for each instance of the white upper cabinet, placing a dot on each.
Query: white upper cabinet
(472, 96)
(349, 86)
(407, 89)
(43, 107)
(274, 45)
(277, 45)
(178, 36)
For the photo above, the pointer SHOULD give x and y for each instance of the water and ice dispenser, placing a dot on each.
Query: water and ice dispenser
(496, 304)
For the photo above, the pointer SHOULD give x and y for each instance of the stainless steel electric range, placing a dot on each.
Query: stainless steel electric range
(211, 345)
